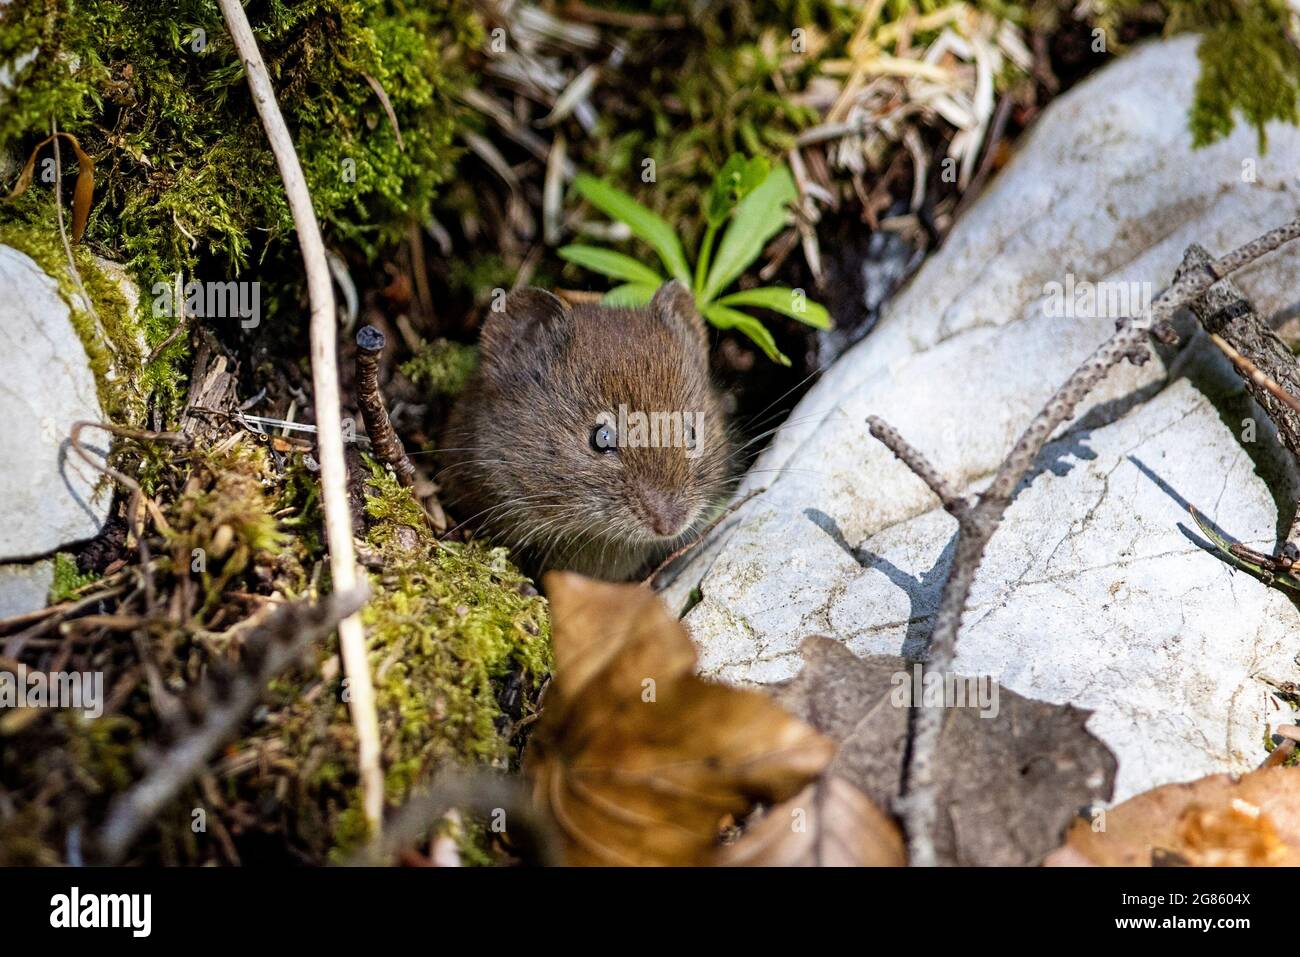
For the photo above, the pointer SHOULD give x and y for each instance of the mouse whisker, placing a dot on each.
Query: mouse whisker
(815, 372)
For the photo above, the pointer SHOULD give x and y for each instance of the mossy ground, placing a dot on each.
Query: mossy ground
(184, 180)
(459, 648)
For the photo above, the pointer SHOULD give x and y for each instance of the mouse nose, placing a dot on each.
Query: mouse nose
(665, 512)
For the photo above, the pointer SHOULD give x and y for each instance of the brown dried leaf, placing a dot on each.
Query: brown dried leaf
(1218, 821)
(83, 192)
(829, 824)
(636, 758)
(1009, 785)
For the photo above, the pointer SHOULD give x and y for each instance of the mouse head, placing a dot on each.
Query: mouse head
(618, 417)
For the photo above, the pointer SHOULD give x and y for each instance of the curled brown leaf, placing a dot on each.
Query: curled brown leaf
(637, 759)
(83, 192)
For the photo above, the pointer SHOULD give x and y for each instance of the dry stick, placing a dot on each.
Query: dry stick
(325, 386)
(271, 647)
(1254, 373)
(1260, 355)
(1261, 358)
(383, 440)
(483, 792)
(977, 522)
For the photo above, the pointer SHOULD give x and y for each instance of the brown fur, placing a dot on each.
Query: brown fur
(520, 461)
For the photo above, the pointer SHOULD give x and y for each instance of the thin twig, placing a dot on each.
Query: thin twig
(953, 502)
(137, 493)
(1254, 373)
(329, 419)
(976, 524)
(182, 322)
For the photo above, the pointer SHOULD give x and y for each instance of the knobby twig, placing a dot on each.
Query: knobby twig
(977, 522)
(269, 649)
(329, 420)
(383, 440)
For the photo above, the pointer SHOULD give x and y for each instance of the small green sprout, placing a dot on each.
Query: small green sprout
(747, 197)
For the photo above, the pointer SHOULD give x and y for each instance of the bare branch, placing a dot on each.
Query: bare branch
(953, 501)
(1262, 359)
(919, 804)
(329, 424)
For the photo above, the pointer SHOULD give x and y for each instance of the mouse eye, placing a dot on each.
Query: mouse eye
(604, 439)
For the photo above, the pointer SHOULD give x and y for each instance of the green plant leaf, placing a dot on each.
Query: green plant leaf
(607, 262)
(629, 294)
(646, 225)
(759, 216)
(788, 302)
(737, 179)
(725, 317)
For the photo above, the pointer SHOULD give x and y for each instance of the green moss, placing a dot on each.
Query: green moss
(1249, 60)
(67, 580)
(1253, 68)
(391, 506)
(447, 627)
(184, 180)
(441, 367)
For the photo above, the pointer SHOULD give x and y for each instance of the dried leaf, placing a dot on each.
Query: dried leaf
(636, 758)
(828, 824)
(1218, 821)
(83, 193)
(1010, 783)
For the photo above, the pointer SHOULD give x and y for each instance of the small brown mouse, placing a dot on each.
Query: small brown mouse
(590, 437)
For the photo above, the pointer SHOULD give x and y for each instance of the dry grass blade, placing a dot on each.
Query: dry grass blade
(387, 104)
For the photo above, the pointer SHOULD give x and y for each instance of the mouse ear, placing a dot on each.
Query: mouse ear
(674, 305)
(529, 319)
